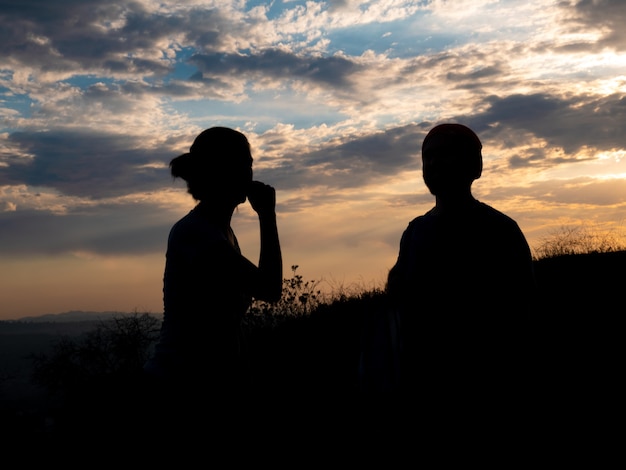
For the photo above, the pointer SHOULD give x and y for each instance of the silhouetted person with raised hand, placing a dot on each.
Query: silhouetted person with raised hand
(463, 282)
(199, 365)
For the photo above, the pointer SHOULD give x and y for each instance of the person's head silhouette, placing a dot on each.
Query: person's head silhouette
(218, 166)
(451, 159)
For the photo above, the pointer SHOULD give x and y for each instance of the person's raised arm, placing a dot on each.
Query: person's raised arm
(262, 198)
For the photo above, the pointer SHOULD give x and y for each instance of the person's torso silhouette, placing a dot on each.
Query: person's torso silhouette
(200, 359)
(463, 280)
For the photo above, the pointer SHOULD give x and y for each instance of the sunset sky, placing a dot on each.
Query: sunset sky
(96, 97)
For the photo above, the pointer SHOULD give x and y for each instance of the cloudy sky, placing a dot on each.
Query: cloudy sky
(96, 97)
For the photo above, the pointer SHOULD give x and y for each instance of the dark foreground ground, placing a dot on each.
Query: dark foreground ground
(307, 370)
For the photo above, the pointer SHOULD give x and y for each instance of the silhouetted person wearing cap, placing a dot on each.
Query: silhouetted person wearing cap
(463, 281)
(199, 364)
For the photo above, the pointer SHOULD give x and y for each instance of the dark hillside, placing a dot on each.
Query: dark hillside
(592, 283)
(317, 354)
(310, 362)
(575, 335)
(581, 306)
(21, 400)
(580, 318)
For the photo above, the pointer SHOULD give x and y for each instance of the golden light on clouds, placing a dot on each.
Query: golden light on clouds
(335, 98)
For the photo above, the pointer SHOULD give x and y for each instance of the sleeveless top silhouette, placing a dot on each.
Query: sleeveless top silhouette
(201, 336)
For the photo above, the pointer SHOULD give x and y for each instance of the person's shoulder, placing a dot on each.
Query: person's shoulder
(497, 217)
(425, 218)
(193, 224)
(491, 211)
(419, 225)
(185, 223)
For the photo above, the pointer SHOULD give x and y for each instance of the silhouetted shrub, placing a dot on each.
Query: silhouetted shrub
(96, 376)
(578, 240)
(117, 348)
(299, 298)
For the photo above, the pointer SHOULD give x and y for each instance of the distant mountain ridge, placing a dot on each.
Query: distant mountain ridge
(71, 316)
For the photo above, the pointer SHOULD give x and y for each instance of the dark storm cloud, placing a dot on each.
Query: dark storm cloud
(52, 36)
(567, 123)
(609, 15)
(85, 164)
(334, 71)
(382, 153)
(474, 75)
(84, 37)
(353, 163)
(99, 35)
(105, 230)
(97, 165)
(175, 89)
